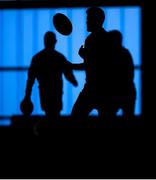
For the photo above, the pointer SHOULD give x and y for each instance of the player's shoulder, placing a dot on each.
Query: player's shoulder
(126, 51)
(38, 55)
(59, 55)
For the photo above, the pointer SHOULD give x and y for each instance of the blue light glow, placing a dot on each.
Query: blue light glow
(21, 36)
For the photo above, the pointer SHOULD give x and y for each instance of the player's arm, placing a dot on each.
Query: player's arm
(68, 72)
(30, 79)
(77, 66)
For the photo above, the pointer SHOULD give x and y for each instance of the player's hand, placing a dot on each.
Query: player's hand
(26, 106)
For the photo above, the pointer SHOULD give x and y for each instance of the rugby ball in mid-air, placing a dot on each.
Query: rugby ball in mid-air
(62, 24)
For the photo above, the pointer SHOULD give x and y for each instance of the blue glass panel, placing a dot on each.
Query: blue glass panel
(22, 36)
(9, 38)
(19, 39)
(67, 97)
(1, 93)
(137, 80)
(132, 33)
(9, 98)
(1, 38)
(1, 61)
(27, 44)
(21, 78)
(44, 23)
(78, 37)
(36, 100)
(80, 76)
(113, 20)
(14, 91)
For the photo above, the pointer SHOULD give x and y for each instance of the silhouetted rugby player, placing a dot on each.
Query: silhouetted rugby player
(47, 67)
(123, 70)
(96, 54)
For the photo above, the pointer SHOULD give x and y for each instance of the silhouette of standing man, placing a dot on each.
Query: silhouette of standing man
(96, 54)
(47, 67)
(124, 87)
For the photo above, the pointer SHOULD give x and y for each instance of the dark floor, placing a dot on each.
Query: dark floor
(39, 125)
(92, 150)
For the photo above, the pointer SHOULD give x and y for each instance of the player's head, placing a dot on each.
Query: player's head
(116, 37)
(95, 18)
(49, 40)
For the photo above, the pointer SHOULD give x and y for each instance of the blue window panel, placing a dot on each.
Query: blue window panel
(35, 31)
(19, 39)
(79, 33)
(106, 20)
(36, 100)
(1, 93)
(21, 78)
(44, 23)
(67, 98)
(19, 52)
(30, 36)
(1, 38)
(1, 61)
(26, 29)
(113, 20)
(137, 81)
(11, 100)
(10, 86)
(28, 50)
(51, 14)
(80, 76)
(132, 33)
(9, 38)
